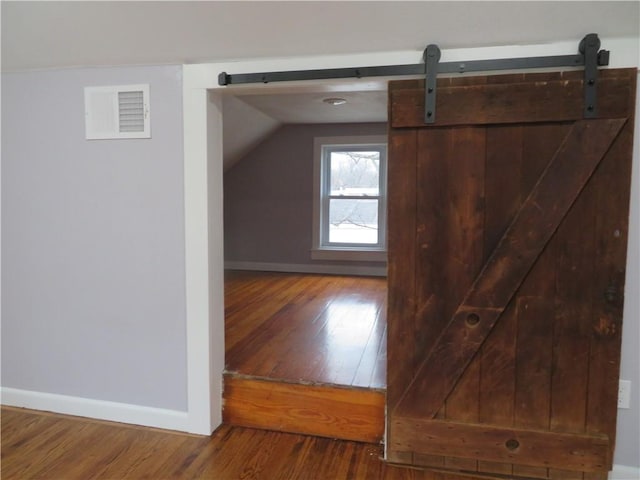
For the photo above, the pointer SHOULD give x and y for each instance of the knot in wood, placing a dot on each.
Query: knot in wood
(512, 444)
(473, 319)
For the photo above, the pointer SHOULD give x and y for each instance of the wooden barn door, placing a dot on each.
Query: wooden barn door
(507, 243)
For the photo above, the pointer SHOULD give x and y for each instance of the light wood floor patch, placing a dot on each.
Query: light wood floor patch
(313, 328)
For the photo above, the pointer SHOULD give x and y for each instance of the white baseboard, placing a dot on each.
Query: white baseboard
(304, 268)
(622, 472)
(98, 409)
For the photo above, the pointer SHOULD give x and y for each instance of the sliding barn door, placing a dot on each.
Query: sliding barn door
(507, 242)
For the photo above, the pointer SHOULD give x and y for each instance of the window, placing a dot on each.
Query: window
(350, 198)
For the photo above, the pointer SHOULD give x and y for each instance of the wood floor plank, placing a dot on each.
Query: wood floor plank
(255, 304)
(311, 328)
(370, 356)
(275, 347)
(221, 453)
(379, 376)
(80, 449)
(345, 337)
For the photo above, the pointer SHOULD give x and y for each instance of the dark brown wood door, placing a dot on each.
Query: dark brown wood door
(507, 243)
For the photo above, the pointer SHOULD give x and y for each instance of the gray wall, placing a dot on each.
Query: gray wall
(93, 284)
(268, 196)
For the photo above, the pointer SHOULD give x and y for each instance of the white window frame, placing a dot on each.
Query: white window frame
(321, 248)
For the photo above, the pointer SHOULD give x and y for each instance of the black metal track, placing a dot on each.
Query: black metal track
(589, 58)
(577, 60)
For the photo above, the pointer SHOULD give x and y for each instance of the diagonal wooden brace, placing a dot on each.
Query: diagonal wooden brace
(524, 240)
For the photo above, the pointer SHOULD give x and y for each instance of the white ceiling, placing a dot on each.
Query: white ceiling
(369, 106)
(54, 34)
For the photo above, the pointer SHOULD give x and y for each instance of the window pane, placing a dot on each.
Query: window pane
(353, 221)
(355, 173)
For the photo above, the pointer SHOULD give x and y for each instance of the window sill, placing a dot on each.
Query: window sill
(345, 254)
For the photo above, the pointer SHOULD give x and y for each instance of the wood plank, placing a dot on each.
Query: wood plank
(497, 385)
(611, 232)
(575, 243)
(462, 215)
(323, 410)
(118, 443)
(369, 365)
(42, 441)
(545, 101)
(430, 239)
(201, 465)
(401, 260)
(401, 231)
(255, 305)
(523, 242)
(353, 321)
(539, 144)
(575, 248)
(533, 367)
(605, 326)
(535, 305)
(463, 405)
(304, 350)
(503, 198)
(504, 193)
(276, 318)
(379, 378)
(257, 460)
(449, 217)
(508, 445)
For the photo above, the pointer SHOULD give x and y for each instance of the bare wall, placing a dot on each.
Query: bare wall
(268, 196)
(93, 283)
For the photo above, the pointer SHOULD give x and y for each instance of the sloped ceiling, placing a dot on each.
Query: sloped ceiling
(250, 119)
(243, 129)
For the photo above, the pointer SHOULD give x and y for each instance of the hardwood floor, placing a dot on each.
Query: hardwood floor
(56, 447)
(310, 328)
(306, 354)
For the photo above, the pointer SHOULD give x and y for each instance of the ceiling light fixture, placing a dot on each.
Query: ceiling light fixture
(335, 101)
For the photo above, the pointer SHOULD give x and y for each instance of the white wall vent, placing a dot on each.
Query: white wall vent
(117, 112)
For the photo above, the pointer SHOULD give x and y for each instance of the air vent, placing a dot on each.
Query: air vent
(117, 112)
(131, 111)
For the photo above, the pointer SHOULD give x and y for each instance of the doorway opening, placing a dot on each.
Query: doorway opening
(300, 331)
